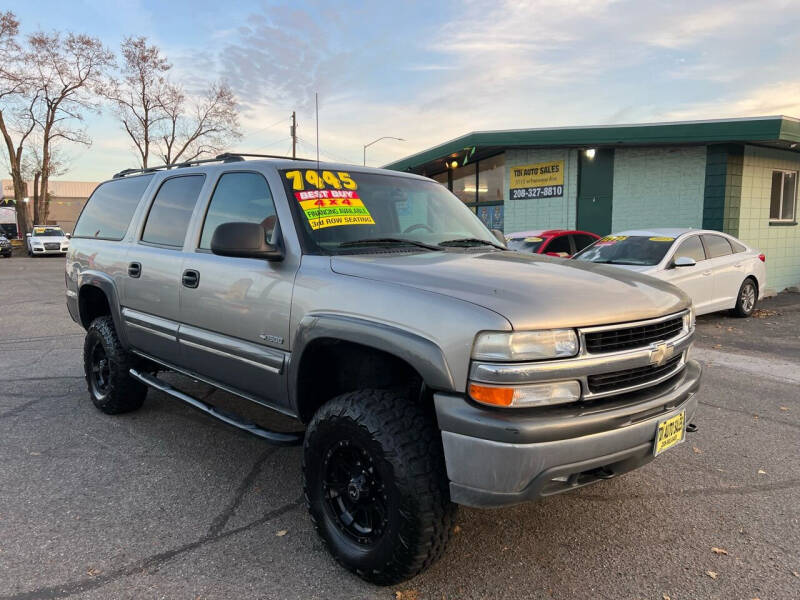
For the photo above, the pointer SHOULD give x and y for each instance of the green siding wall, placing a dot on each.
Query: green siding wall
(659, 187)
(541, 213)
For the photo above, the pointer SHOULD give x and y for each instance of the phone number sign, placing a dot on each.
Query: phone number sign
(537, 180)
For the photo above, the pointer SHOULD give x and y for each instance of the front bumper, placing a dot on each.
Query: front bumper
(37, 250)
(501, 457)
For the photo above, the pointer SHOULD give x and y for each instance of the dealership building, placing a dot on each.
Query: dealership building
(66, 202)
(733, 175)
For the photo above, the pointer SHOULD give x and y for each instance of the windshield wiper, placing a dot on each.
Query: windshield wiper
(618, 262)
(471, 242)
(387, 241)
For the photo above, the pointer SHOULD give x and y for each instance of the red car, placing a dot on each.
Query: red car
(553, 242)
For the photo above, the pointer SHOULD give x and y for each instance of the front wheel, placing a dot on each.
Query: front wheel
(106, 365)
(746, 300)
(375, 485)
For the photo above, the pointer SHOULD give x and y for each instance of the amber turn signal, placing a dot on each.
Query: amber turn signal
(497, 396)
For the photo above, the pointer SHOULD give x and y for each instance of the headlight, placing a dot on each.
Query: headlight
(525, 345)
(522, 396)
(689, 320)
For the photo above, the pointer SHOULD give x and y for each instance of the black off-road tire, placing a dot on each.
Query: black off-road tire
(112, 389)
(404, 449)
(746, 299)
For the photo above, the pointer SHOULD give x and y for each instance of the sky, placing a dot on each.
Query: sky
(430, 71)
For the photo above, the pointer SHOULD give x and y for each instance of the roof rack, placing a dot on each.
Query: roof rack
(225, 157)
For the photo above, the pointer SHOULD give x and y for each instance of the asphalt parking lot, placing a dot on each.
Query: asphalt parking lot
(168, 503)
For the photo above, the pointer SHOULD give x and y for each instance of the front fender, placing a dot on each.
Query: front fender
(419, 352)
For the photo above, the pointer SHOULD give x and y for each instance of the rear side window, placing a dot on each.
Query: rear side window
(691, 248)
(110, 208)
(737, 247)
(171, 210)
(239, 197)
(716, 246)
(581, 241)
(559, 245)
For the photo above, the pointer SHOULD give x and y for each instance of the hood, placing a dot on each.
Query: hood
(531, 291)
(637, 268)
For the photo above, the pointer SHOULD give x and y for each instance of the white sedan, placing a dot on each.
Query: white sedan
(718, 271)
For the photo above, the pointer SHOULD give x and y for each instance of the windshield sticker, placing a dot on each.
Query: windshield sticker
(610, 239)
(533, 239)
(332, 208)
(39, 229)
(662, 239)
(313, 179)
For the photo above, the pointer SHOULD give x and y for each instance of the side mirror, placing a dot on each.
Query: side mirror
(499, 235)
(684, 261)
(244, 240)
(68, 236)
(27, 235)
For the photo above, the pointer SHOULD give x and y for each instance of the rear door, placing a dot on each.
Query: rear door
(727, 270)
(697, 281)
(151, 308)
(235, 318)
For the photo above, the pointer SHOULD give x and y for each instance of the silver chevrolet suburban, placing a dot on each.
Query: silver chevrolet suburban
(428, 365)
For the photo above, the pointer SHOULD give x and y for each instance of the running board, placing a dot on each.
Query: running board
(278, 438)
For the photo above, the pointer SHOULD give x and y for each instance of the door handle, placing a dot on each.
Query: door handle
(706, 273)
(738, 265)
(134, 270)
(190, 278)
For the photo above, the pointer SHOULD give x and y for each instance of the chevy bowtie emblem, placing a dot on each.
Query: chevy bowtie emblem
(660, 353)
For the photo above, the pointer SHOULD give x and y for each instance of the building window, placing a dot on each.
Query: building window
(490, 179)
(465, 183)
(784, 196)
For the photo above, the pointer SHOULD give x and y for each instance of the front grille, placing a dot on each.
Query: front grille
(608, 382)
(52, 246)
(640, 336)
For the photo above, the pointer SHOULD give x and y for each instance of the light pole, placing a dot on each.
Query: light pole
(386, 137)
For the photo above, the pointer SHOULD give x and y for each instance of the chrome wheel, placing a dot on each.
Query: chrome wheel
(747, 297)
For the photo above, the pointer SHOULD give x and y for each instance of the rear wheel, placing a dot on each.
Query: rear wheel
(747, 299)
(376, 486)
(106, 365)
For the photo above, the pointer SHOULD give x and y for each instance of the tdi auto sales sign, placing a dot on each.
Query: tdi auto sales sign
(538, 180)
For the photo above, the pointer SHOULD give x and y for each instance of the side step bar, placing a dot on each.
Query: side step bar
(273, 437)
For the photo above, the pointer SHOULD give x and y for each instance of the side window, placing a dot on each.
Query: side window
(737, 247)
(239, 197)
(716, 246)
(691, 248)
(560, 245)
(581, 241)
(172, 208)
(110, 208)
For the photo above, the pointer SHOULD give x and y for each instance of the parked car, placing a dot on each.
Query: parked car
(5, 246)
(47, 239)
(553, 242)
(718, 271)
(424, 362)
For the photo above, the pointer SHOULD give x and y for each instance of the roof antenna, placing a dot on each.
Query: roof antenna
(316, 106)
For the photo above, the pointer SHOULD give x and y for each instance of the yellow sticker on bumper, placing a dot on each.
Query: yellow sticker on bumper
(670, 432)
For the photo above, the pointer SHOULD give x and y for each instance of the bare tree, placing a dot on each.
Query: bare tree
(67, 72)
(193, 128)
(16, 111)
(137, 96)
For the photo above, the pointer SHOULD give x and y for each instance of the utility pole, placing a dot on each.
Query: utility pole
(294, 135)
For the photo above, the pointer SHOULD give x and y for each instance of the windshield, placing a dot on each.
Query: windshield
(340, 211)
(627, 250)
(527, 244)
(48, 232)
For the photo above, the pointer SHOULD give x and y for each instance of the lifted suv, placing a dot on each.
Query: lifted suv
(430, 365)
